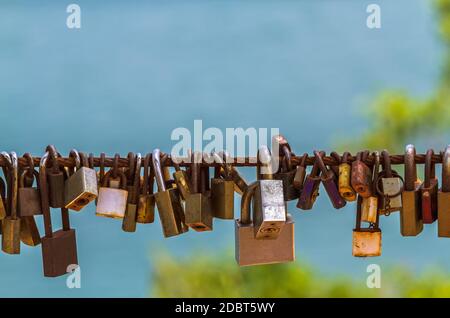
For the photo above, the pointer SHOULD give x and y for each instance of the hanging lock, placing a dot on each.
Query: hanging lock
(146, 203)
(181, 180)
(444, 196)
(369, 205)
(198, 209)
(168, 202)
(130, 217)
(59, 249)
(300, 173)
(366, 241)
(251, 251)
(391, 188)
(310, 190)
(328, 179)
(112, 201)
(429, 190)
(11, 223)
(81, 187)
(411, 215)
(56, 179)
(286, 170)
(361, 177)
(345, 171)
(222, 189)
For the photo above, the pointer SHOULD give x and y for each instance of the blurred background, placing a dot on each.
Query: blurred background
(138, 69)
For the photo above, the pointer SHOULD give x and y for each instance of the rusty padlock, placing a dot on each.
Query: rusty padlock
(130, 217)
(345, 172)
(329, 182)
(222, 189)
(391, 187)
(411, 215)
(146, 203)
(444, 196)
(310, 188)
(251, 251)
(369, 206)
(56, 179)
(366, 241)
(429, 190)
(286, 171)
(361, 178)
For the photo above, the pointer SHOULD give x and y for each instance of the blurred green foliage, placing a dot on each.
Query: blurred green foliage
(395, 118)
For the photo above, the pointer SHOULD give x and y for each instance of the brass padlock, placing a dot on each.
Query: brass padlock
(251, 251)
(392, 187)
(286, 172)
(300, 173)
(329, 181)
(310, 190)
(411, 215)
(361, 176)
(59, 249)
(345, 171)
(11, 223)
(81, 187)
(369, 205)
(222, 189)
(168, 201)
(146, 203)
(112, 202)
(366, 241)
(444, 196)
(56, 179)
(182, 181)
(29, 196)
(429, 190)
(198, 208)
(130, 218)
(269, 207)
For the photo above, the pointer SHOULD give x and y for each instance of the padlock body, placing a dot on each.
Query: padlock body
(222, 198)
(366, 242)
(361, 179)
(344, 182)
(329, 183)
(29, 232)
(11, 235)
(269, 209)
(309, 193)
(56, 183)
(410, 216)
(392, 186)
(251, 251)
(170, 212)
(129, 220)
(443, 214)
(369, 209)
(58, 252)
(198, 212)
(146, 208)
(429, 201)
(29, 202)
(181, 178)
(111, 202)
(81, 189)
(290, 192)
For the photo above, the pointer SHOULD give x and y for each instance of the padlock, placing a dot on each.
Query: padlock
(240, 184)
(329, 182)
(11, 223)
(182, 181)
(222, 189)
(146, 203)
(56, 179)
(366, 241)
(429, 190)
(286, 171)
(59, 249)
(444, 197)
(310, 190)
(81, 187)
(369, 206)
(300, 173)
(2, 199)
(198, 208)
(361, 176)
(411, 216)
(345, 171)
(112, 202)
(168, 201)
(392, 187)
(130, 218)
(29, 196)
(269, 207)
(251, 251)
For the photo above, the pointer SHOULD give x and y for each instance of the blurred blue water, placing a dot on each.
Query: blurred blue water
(136, 70)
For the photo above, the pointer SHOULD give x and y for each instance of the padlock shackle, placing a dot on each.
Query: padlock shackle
(115, 168)
(318, 157)
(264, 159)
(145, 184)
(102, 168)
(375, 171)
(446, 170)
(29, 158)
(287, 158)
(34, 174)
(44, 195)
(410, 168)
(131, 167)
(7, 173)
(76, 157)
(246, 200)
(84, 160)
(429, 168)
(157, 168)
(386, 164)
(15, 184)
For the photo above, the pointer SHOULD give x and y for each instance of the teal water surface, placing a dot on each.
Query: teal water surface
(136, 70)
